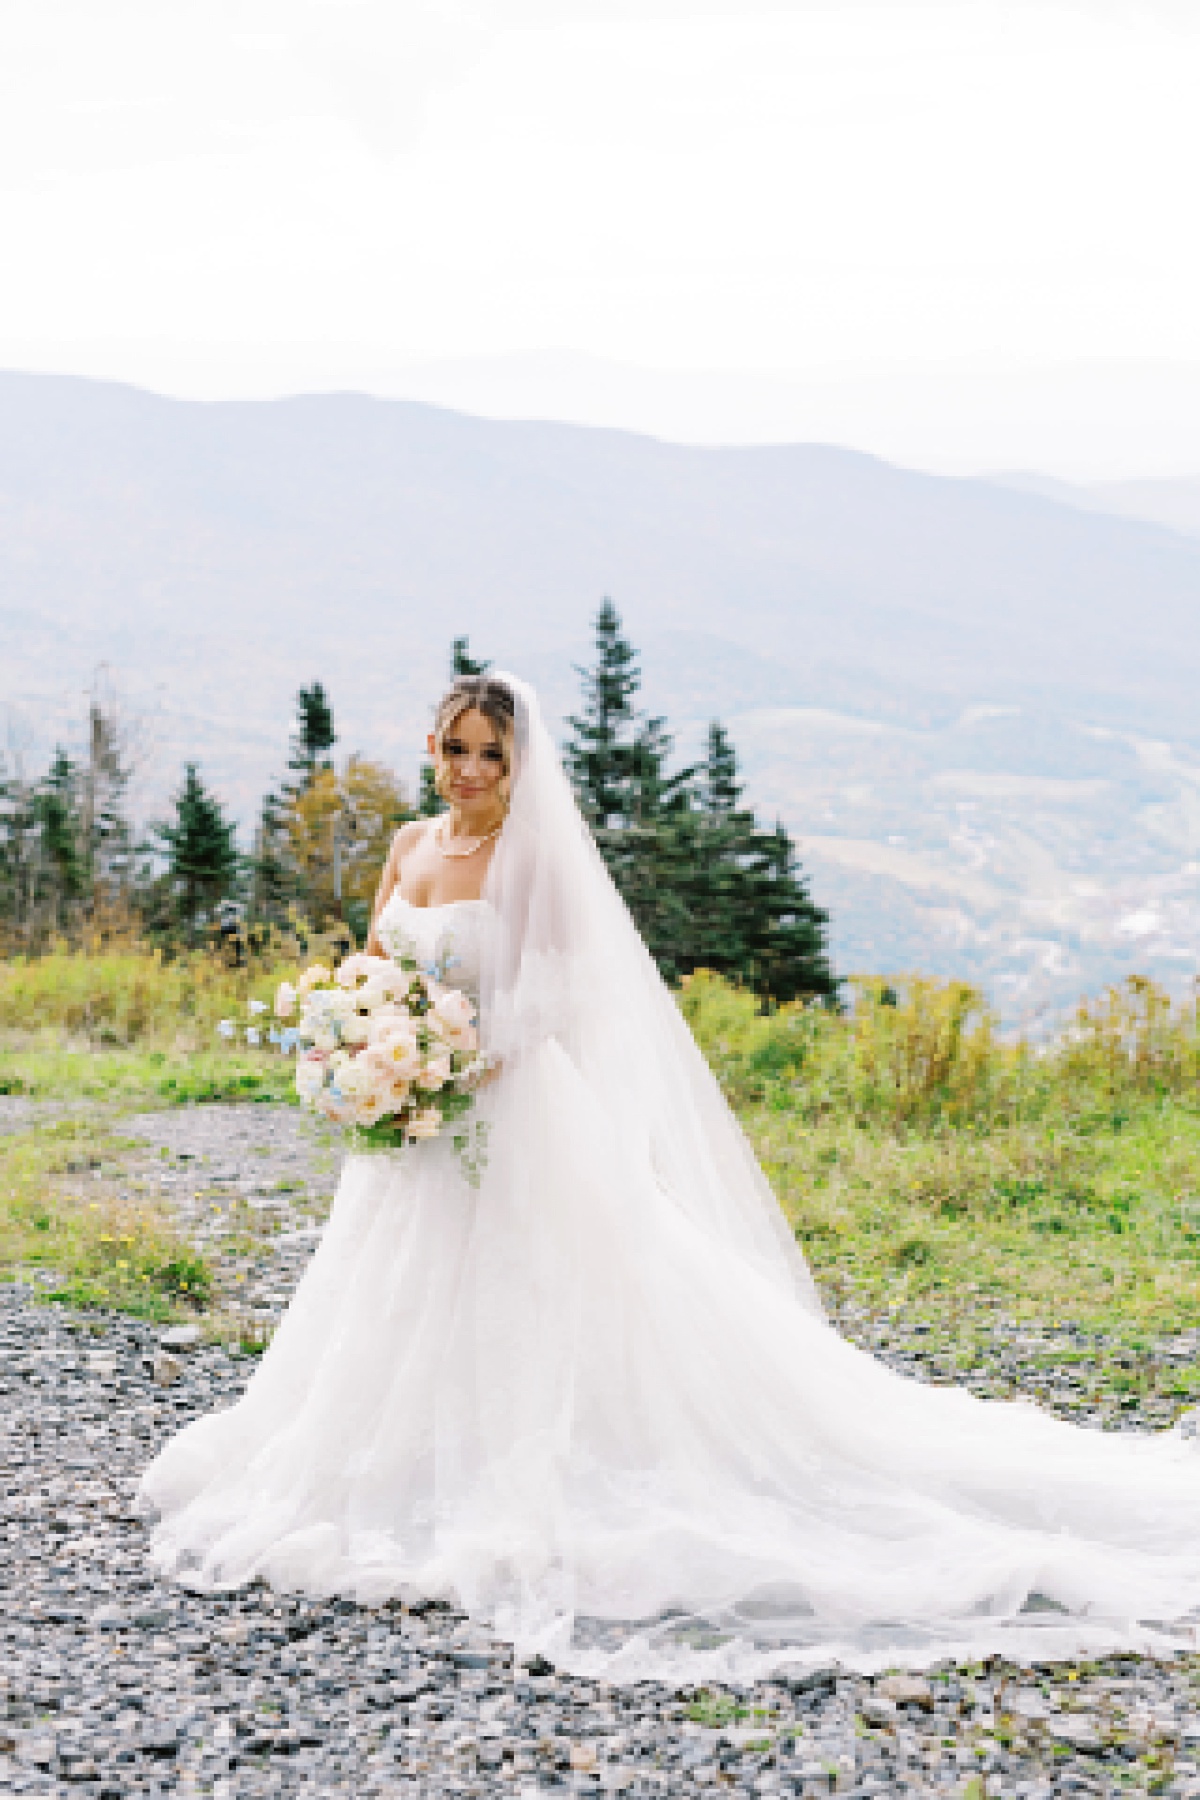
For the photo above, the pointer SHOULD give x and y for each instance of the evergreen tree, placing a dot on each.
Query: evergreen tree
(716, 885)
(202, 858)
(462, 662)
(273, 884)
(429, 801)
(62, 882)
(787, 956)
(706, 886)
(653, 854)
(639, 812)
(277, 885)
(720, 788)
(314, 736)
(602, 755)
(751, 914)
(107, 837)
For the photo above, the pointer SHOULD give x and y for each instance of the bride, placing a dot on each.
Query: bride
(590, 1395)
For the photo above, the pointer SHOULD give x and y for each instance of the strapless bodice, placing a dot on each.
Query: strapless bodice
(447, 939)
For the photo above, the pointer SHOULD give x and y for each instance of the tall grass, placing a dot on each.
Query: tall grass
(920, 1156)
(924, 1053)
(916, 1151)
(126, 996)
(129, 1022)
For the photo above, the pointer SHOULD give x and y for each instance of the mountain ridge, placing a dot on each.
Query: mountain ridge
(218, 554)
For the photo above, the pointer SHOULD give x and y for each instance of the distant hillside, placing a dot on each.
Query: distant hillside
(218, 554)
(1173, 502)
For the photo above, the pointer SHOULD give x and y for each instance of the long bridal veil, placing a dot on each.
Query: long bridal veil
(729, 1478)
(567, 963)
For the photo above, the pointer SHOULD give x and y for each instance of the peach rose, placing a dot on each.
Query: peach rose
(313, 977)
(425, 1124)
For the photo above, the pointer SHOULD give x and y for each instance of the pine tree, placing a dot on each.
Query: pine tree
(602, 755)
(706, 886)
(717, 885)
(720, 789)
(273, 886)
(202, 858)
(63, 874)
(787, 952)
(462, 662)
(104, 781)
(429, 801)
(314, 737)
(639, 812)
(277, 887)
(752, 917)
(653, 854)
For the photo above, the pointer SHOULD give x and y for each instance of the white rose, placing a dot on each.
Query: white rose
(310, 1077)
(454, 1017)
(312, 977)
(436, 1073)
(425, 1124)
(453, 1008)
(358, 968)
(372, 1107)
(339, 1112)
(356, 1031)
(355, 1080)
(398, 1052)
(385, 983)
(285, 1000)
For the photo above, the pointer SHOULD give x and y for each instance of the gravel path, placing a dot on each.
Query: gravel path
(115, 1684)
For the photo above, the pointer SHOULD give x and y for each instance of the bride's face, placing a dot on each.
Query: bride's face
(469, 761)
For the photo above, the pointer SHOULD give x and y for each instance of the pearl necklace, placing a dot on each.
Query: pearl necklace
(457, 855)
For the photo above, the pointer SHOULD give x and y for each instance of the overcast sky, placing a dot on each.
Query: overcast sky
(196, 193)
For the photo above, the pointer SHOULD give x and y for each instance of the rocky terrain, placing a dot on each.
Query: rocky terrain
(115, 1684)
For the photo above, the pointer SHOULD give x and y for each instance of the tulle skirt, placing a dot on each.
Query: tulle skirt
(556, 1401)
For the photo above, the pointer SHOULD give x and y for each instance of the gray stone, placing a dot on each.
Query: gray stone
(906, 1690)
(1078, 1731)
(802, 1680)
(36, 1751)
(181, 1337)
(165, 1368)
(109, 1618)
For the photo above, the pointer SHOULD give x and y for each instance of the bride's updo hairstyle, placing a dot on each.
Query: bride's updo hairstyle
(482, 694)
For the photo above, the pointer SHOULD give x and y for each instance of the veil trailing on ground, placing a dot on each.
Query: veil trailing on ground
(565, 961)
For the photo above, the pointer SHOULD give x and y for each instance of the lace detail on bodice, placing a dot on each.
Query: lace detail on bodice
(446, 939)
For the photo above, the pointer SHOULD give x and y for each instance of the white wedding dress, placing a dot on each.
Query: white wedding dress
(610, 1421)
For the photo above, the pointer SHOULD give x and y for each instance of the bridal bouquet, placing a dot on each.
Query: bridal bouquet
(382, 1047)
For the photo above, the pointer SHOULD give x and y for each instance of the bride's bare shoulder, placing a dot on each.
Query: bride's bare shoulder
(407, 837)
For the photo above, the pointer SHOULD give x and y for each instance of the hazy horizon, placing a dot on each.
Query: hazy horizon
(909, 228)
(1067, 423)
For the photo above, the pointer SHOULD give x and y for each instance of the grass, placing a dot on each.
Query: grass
(61, 1209)
(921, 1160)
(924, 1162)
(42, 1067)
(1097, 1227)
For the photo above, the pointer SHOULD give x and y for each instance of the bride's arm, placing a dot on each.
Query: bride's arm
(401, 843)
